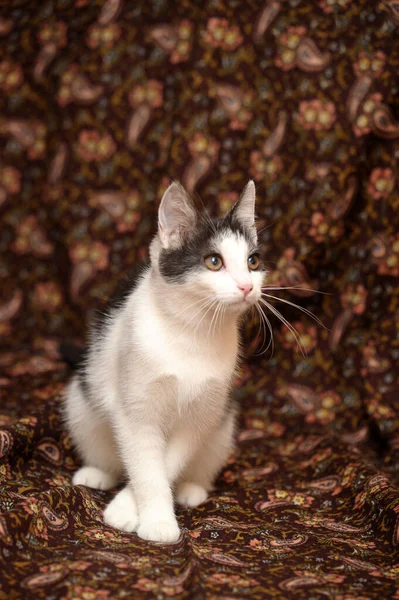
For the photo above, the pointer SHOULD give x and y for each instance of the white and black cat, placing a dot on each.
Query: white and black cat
(151, 402)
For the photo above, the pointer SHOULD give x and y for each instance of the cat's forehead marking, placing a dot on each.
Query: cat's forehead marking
(234, 240)
(176, 264)
(228, 226)
(232, 245)
(235, 251)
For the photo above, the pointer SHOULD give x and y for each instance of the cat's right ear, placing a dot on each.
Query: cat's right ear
(177, 216)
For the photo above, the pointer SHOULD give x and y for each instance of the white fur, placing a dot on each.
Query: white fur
(159, 379)
(94, 478)
(121, 512)
(190, 494)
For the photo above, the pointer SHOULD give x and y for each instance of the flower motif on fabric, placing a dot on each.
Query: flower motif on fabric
(76, 87)
(307, 337)
(31, 135)
(363, 122)
(44, 519)
(370, 64)
(150, 92)
(295, 49)
(94, 146)
(316, 114)
(278, 546)
(54, 33)
(381, 183)
(95, 252)
(354, 298)
(11, 76)
(204, 152)
(330, 6)
(143, 98)
(122, 207)
(325, 412)
(287, 44)
(385, 253)
(380, 411)
(290, 272)
(289, 497)
(176, 40)
(86, 592)
(87, 259)
(236, 103)
(104, 37)
(47, 296)
(238, 581)
(262, 168)
(10, 183)
(372, 360)
(220, 34)
(324, 229)
(52, 37)
(372, 488)
(31, 238)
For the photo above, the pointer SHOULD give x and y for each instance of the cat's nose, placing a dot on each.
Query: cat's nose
(245, 287)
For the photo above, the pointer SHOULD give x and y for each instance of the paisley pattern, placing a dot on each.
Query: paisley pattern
(102, 104)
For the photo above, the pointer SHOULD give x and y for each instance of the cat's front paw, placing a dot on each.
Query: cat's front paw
(159, 531)
(121, 512)
(190, 494)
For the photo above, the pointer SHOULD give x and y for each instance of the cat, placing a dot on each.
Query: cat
(150, 403)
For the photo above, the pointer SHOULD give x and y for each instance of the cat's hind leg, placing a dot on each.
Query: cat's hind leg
(93, 477)
(93, 438)
(197, 480)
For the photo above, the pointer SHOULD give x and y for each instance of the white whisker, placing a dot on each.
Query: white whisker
(294, 332)
(187, 308)
(207, 304)
(223, 312)
(295, 287)
(269, 325)
(262, 324)
(265, 321)
(212, 326)
(301, 308)
(210, 307)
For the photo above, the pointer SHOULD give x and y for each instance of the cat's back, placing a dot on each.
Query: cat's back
(108, 336)
(118, 299)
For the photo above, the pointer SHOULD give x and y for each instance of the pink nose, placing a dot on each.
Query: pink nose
(245, 287)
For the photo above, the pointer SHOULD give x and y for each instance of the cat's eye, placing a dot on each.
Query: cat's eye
(253, 262)
(213, 262)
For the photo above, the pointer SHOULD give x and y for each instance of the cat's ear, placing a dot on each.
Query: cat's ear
(243, 210)
(177, 216)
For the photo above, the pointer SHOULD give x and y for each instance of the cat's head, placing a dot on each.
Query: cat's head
(209, 258)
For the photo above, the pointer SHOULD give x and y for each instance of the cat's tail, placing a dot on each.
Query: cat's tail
(72, 353)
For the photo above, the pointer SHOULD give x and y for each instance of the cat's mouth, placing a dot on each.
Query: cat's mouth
(241, 303)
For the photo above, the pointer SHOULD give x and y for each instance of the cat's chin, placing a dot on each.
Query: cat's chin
(238, 306)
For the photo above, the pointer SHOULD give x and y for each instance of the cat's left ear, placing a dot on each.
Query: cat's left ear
(243, 210)
(177, 216)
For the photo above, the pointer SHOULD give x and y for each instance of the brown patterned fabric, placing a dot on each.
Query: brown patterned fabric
(102, 104)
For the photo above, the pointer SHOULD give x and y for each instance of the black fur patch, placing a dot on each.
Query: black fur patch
(72, 353)
(175, 264)
(118, 297)
(84, 384)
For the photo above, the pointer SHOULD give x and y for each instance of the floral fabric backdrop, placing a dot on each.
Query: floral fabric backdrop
(102, 104)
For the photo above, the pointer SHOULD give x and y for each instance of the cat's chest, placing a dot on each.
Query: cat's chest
(197, 368)
(176, 352)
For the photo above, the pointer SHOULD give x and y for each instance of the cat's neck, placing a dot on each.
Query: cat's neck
(201, 318)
